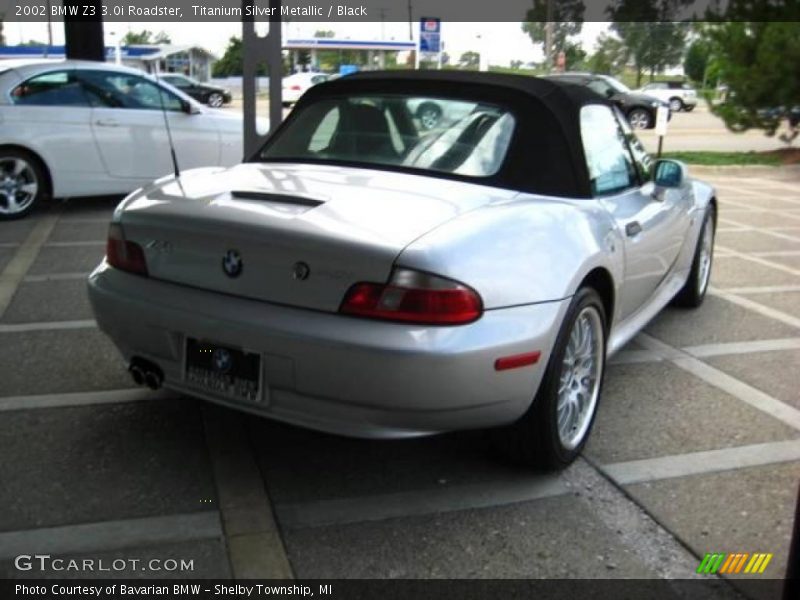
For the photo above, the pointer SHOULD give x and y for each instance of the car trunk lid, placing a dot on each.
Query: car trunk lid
(297, 235)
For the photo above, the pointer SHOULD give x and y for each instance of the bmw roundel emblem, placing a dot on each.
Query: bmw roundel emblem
(232, 263)
(222, 360)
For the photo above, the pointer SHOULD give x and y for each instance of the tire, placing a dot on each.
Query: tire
(536, 440)
(215, 100)
(694, 290)
(23, 183)
(429, 114)
(689, 107)
(640, 118)
(676, 104)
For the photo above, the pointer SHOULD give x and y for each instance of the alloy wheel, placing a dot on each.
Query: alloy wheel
(639, 119)
(19, 185)
(706, 255)
(580, 378)
(215, 100)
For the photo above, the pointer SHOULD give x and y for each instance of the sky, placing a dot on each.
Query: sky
(503, 42)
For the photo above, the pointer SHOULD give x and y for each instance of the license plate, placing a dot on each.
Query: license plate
(223, 371)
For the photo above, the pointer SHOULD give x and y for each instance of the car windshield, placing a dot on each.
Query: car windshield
(617, 85)
(433, 134)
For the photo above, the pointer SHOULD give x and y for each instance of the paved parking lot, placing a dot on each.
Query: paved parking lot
(696, 448)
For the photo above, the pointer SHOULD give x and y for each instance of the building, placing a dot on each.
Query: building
(194, 61)
(374, 52)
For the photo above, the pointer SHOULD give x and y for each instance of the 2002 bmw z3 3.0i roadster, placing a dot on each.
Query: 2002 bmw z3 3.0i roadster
(366, 275)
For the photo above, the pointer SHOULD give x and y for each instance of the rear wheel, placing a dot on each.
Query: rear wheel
(22, 183)
(694, 290)
(215, 100)
(675, 104)
(554, 430)
(639, 118)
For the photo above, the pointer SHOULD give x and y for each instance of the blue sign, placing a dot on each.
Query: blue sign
(430, 35)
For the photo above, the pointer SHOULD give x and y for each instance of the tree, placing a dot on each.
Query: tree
(650, 34)
(145, 38)
(566, 17)
(758, 62)
(232, 61)
(695, 62)
(326, 33)
(575, 55)
(469, 60)
(610, 56)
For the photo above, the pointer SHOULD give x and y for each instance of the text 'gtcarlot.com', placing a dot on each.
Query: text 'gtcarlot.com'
(44, 562)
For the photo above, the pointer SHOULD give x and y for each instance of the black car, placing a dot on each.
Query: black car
(639, 108)
(202, 92)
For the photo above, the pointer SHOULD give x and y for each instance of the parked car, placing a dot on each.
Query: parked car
(72, 128)
(361, 275)
(294, 86)
(212, 95)
(678, 94)
(640, 109)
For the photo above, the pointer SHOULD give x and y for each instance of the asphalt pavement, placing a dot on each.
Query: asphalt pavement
(696, 448)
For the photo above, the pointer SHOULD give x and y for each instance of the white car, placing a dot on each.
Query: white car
(296, 85)
(76, 128)
(678, 94)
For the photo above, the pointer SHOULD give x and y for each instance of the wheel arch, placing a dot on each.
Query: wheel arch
(38, 158)
(601, 280)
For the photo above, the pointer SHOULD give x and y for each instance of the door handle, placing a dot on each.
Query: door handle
(633, 229)
(107, 122)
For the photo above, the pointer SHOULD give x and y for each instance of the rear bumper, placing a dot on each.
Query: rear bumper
(333, 373)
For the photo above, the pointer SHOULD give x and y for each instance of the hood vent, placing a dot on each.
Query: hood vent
(277, 198)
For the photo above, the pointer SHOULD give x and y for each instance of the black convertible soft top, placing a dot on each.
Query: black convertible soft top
(546, 153)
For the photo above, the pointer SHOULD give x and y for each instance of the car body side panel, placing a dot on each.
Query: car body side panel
(532, 249)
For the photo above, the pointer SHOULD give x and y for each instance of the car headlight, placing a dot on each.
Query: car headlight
(655, 104)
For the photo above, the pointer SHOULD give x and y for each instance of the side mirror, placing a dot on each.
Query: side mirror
(669, 173)
(189, 108)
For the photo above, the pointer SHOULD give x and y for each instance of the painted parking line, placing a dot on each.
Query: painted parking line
(340, 511)
(23, 258)
(111, 535)
(757, 259)
(79, 244)
(725, 349)
(55, 277)
(32, 402)
(699, 463)
(255, 547)
(760, 289)
(47, 326)
(757, 307)
(727, 383)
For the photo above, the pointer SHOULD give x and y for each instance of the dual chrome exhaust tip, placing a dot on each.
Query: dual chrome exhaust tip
(146, 373)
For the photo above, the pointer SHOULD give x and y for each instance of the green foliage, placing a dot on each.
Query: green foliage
(232, 62)
(567, 19)
(323, 33)
(649, 32)
(695, 62)
(725, 158)
(759, 62)
(469, 60)
(575, 56)
(145, 37)
(610, 56)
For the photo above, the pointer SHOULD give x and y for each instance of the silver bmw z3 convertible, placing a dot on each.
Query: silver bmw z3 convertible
(367, 275)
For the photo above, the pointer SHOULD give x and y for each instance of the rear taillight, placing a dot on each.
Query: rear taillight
(122, 254)
(414, 297)
(295, 88)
